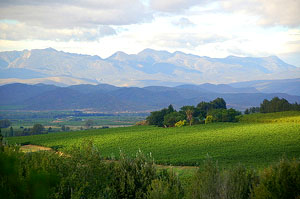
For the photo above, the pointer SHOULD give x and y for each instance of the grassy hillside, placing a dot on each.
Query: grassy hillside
(279, 117)
(252, 144)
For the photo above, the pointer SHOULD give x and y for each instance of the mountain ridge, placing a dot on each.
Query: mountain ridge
(121, 69)
(108, 98)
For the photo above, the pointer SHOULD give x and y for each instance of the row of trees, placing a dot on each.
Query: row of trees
(278, 105)
(204, 112)
(274, 105)
(35, 130)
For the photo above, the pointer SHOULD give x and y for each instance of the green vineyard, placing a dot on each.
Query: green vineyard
(254, 143)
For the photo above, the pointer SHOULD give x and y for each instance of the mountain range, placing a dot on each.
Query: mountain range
(147, 68)
(109, 98)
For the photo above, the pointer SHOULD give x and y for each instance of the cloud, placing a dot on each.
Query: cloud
(183, 22)
(270, 12)
(70, 14)
(187, 40)
(173, 5)
(21, 31)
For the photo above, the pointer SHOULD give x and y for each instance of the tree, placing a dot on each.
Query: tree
(172, 118)
(246, 112)
(37, 129)
(189, 112)
(11, 132)
(157, 117)
(218, 103)
(276, 105)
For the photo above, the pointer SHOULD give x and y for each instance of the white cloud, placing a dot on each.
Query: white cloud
(21, 31)
(70, 14)
(269, 12)
(183, 22)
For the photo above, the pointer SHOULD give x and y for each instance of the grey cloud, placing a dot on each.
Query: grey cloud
(270, 12)
(22, 31)
(70, 14)
(174, 5)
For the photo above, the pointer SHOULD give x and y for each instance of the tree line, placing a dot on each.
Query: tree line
(204, 112)
(274, 105)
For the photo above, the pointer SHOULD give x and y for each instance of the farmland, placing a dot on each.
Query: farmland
(254, 144)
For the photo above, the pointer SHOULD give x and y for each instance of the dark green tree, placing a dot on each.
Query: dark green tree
(37, 129)
(218, 103)
(172, 118)
(157, 117)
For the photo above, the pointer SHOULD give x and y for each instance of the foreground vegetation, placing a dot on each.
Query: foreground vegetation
(82, 173)
(253, 144)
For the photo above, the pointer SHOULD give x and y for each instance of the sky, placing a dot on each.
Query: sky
(215, 28)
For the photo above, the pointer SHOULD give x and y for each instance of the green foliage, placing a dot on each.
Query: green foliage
(180, 123)
(209, 119)
(279, 181)
(194, 115)
(279, 117)
(252, 144)
(204, 107)
(157, 117)
(277, 105)
(82, 173)
(20, 177)
(224, 115)
(172, 118)
(167, 186)
(37, 129)
(211, 182)
(131, 177)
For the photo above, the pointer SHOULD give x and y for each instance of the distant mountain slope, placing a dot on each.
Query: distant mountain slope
(289, 86)
(148, 67)
(107, 98)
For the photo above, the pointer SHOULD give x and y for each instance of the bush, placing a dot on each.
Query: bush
(142, 123)
(167, 186)
(211, 182)
(279, 181)
(209, 119)
(172, 118)
(181, 123)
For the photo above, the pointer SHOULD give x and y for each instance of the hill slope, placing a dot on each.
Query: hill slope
(107, 98)
(252, 144)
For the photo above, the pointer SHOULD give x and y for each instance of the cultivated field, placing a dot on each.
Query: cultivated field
(253, 144)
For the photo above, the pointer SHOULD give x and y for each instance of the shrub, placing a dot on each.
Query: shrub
(181, 123)
(211, 182)
(142, 123)
(279, 181)
(167, 186)
(209, 119)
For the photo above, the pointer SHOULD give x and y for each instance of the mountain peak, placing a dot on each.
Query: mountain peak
(119, 55)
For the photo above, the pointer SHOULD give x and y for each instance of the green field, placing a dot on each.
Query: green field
(252, 144)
